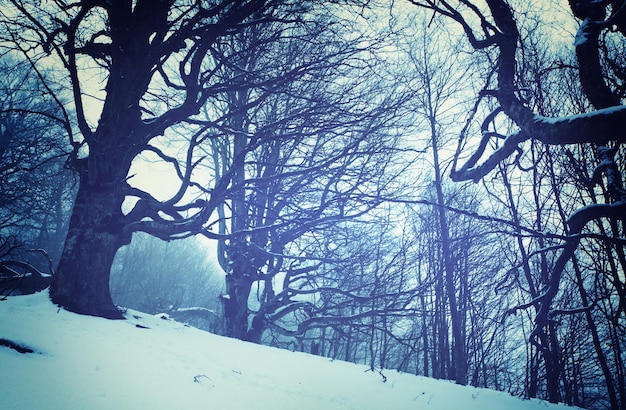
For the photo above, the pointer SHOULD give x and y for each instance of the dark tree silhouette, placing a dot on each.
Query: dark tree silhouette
(493, 27)
(153, 65)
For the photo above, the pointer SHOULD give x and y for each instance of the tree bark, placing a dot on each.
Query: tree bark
(459, 359)
(81, 282)
(235, 301)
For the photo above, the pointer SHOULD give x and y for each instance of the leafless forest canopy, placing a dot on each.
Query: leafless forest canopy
(432, 186)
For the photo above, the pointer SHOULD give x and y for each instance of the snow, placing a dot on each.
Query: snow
(146, 362)
(617, 109)
(582, 33)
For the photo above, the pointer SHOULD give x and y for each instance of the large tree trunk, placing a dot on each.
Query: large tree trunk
(81, 282)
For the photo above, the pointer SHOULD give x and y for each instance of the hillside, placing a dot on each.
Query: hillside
(146, 362)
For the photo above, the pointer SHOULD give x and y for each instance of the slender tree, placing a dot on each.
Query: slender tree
(492, 28)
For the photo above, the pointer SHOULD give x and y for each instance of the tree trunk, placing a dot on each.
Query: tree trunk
(256, 329)
(553, 366)
(532, 379)
(596, 339)
(459, 360)
(81, 282)
(235, 301)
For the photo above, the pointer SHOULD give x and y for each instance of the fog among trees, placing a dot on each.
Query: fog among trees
(429, 186)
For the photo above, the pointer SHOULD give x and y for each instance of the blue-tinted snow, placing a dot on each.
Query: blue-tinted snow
(147, 362)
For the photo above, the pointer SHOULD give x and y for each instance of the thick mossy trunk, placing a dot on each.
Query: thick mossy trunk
(81, 282)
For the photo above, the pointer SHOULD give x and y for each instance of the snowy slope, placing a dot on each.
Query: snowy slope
(91, 363)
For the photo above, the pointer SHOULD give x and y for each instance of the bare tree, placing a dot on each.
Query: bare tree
(310, 152)
(150, 66)
(35, 188)
(512, 126)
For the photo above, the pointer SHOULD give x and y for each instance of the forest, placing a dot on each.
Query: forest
(431, 186)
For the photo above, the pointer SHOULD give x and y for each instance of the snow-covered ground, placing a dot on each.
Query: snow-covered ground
(146, 362)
